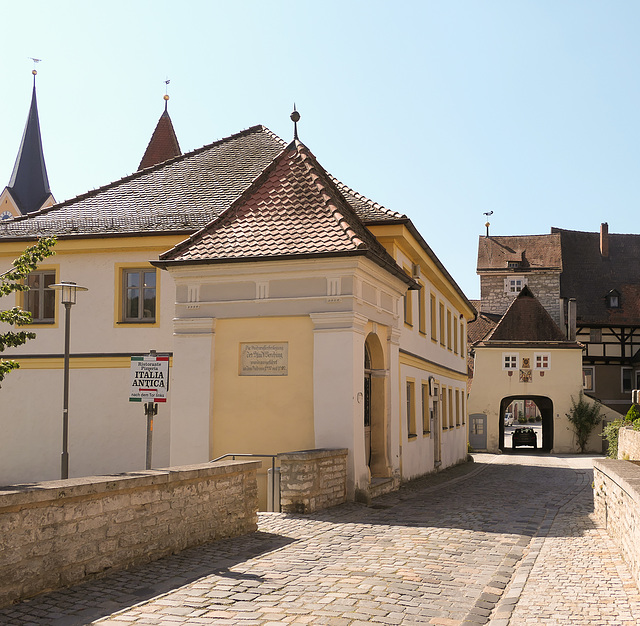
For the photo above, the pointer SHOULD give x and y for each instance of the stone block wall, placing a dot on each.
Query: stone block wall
(312, 480)
(56, 533)
(617, 506)
(545, 286)
(629, 444)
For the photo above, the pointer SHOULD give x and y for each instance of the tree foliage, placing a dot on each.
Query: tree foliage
(584, 417)
(14, 280)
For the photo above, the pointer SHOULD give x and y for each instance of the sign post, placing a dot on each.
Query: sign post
(149, 384)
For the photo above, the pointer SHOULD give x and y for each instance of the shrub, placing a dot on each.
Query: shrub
(584, 417)
(611, 433)
(633, 413)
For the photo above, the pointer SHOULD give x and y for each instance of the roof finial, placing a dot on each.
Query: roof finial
(487, 223)
(295, 118)
(34, 71)
(166, 93)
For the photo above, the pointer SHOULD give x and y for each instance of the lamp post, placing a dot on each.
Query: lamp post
(68, 290)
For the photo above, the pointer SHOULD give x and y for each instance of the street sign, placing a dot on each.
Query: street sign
(149, 378)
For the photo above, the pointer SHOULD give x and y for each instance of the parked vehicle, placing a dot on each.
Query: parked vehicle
(508, 419)
(524, 437)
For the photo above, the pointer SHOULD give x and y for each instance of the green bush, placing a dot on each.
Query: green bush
(611, 433)
(584, 417)
(633, 413)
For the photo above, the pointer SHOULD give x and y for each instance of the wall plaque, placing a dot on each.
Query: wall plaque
(264, 359)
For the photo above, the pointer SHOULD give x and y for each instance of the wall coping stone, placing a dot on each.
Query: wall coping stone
(319, 453)
(45, 491)
(624, 473)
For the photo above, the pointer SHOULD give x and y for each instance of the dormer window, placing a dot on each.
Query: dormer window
(513, 265)
(613, 299)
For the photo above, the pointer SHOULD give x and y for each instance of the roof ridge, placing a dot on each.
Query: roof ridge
(140, 173)
(363, 198)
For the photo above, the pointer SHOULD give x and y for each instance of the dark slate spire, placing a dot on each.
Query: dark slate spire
(29, 184)
(163, 144)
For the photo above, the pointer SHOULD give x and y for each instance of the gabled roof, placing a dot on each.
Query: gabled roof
(294, 209)
(531, 252)
(527, 321)
(29, 184)
(588, 275)
(163, 144)
(180, 195)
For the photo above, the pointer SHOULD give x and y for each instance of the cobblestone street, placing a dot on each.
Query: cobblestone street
(509, 539)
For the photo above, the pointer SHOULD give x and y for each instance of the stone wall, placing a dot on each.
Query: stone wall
(58, 533)
(629, 444)
(544, 285)
(312, 480)
(617, 506)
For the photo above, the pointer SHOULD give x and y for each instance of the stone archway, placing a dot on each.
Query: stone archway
(375, 413)
(545, 406)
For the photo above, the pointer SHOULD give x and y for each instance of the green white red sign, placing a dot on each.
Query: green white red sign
(149, 378)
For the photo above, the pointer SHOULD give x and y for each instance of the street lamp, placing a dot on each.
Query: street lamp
(68, 290)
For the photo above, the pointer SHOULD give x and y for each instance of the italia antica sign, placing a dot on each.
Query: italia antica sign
(264, 359)
(149, 378)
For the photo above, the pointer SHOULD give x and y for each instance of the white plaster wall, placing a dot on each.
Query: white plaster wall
(107, 433)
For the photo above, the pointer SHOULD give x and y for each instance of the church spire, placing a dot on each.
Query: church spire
(163, 144)
(29, 184)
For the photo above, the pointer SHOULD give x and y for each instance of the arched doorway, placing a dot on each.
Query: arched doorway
(375, 421)
(545, 408)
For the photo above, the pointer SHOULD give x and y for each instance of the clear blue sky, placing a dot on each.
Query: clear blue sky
(442, 110)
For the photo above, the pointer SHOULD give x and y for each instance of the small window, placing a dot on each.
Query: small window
(139, 295)
(627, 375)
(449, 346)
(510, 361)
(442, 326)
(514, 284)
(434, 321)
(595, 335)
(542, 360)
(39, 300)
(513, 264)
(411, 410)
(457, 407)
(422, 313)
(455, 336)
(426, 414)
(588, 379)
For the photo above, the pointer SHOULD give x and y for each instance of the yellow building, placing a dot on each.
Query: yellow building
(298, 314)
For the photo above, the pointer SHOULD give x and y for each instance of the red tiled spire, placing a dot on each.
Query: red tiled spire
(163, 144)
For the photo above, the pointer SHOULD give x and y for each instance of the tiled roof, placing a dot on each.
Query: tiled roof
(294, 209)
(589, 276)
(182, 194)
(532, 252)
(526, 320)
(163, 144)
(483, 325)
(29, 184)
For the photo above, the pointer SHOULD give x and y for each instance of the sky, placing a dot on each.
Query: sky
(439, 109)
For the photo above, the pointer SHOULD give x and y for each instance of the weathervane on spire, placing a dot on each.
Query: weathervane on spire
(34, 71)
(295, 118)
(166, 93)
(487, 223)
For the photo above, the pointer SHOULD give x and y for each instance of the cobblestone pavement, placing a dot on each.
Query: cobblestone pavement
(509, 539)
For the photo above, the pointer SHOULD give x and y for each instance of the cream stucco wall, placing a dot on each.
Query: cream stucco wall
(262, 414)
(563, 380)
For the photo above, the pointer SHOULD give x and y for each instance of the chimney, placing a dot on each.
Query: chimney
(571, 320)
(604, 240)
